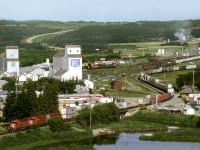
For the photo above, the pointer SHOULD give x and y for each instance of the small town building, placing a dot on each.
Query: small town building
(89, 84)
(67, 64)
(9, 62)
(80, 89)
(116, 85)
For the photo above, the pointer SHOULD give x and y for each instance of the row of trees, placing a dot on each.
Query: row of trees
(62, 86)
(94, 36)
(26, 103)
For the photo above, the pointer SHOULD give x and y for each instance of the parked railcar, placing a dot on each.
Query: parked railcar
(187, 59)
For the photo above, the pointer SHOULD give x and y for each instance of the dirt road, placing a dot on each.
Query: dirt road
(30, 39)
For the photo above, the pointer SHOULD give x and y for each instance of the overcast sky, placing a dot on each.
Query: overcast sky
(100, 10)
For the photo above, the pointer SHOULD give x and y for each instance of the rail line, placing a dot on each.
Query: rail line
(145, 85)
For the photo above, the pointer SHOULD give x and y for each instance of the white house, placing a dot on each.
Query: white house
(89, 84)
(67, 64)
(22, 78)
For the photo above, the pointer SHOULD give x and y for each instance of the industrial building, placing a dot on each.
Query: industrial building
(67, 64)
(9, 62)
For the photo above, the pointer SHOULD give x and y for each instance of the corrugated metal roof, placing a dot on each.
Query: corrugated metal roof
(60, 54)
(60, 72)
(11, 47)
(72, 46)
(74, 55)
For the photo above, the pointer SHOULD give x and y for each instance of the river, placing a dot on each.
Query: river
(126, 141)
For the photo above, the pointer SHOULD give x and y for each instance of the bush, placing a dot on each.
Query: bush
(58, 125)
(100, 114)
(2, 119)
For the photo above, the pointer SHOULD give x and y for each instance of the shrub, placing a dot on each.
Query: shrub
(58, 125)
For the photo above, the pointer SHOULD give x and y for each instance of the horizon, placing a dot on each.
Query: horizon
(99, 11)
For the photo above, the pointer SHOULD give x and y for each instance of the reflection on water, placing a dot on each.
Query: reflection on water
(131, 141)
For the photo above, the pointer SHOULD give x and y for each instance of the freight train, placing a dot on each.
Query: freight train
(167, 88)
(19, 124)
(166, 62)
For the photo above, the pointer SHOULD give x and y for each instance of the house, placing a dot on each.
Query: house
(81, 89)
(67, 64)
(89, 84)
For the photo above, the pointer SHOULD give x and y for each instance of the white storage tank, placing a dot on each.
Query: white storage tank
(156, 80)
(188, 111)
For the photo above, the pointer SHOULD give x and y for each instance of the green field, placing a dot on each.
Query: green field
(170, 77)
(140, 49)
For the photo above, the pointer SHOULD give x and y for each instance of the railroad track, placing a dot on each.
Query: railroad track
(145, 85)
(154, 89)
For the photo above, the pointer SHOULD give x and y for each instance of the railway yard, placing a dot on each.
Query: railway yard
(161, 95)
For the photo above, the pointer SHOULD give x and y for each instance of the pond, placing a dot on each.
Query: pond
(122, 141)
(130, 141)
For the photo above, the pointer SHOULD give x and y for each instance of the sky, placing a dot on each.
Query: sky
(100, 10)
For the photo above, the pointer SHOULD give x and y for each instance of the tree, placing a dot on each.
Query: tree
(50, 98)
(23, 105)
(10, 86)
(10, 107)
(105, 113)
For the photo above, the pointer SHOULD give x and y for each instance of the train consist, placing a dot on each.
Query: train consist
(167, 88)
(166, 62)
(158, 63)
(24, 123)
(171, 68)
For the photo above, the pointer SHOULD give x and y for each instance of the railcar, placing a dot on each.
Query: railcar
(19, 124)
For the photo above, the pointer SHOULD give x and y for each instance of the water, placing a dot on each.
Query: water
(131, 141)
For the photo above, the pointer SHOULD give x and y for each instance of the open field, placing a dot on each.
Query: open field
(140, 49)
(132, 88)
(170, 77)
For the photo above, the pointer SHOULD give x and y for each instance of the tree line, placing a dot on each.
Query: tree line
(187, 79)
(144, 31)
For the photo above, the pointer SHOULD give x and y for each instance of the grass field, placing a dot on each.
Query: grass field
(140, 49)
(170, 77)
(132, 88)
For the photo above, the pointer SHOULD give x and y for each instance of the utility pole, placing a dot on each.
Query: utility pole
(193, 77)
(90, 113)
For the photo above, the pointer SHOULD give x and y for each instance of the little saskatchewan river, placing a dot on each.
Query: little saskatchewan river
(130, 141)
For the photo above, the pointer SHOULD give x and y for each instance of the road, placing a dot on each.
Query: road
(30, 39)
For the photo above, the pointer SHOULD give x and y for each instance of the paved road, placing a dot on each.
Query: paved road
(30, 39)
